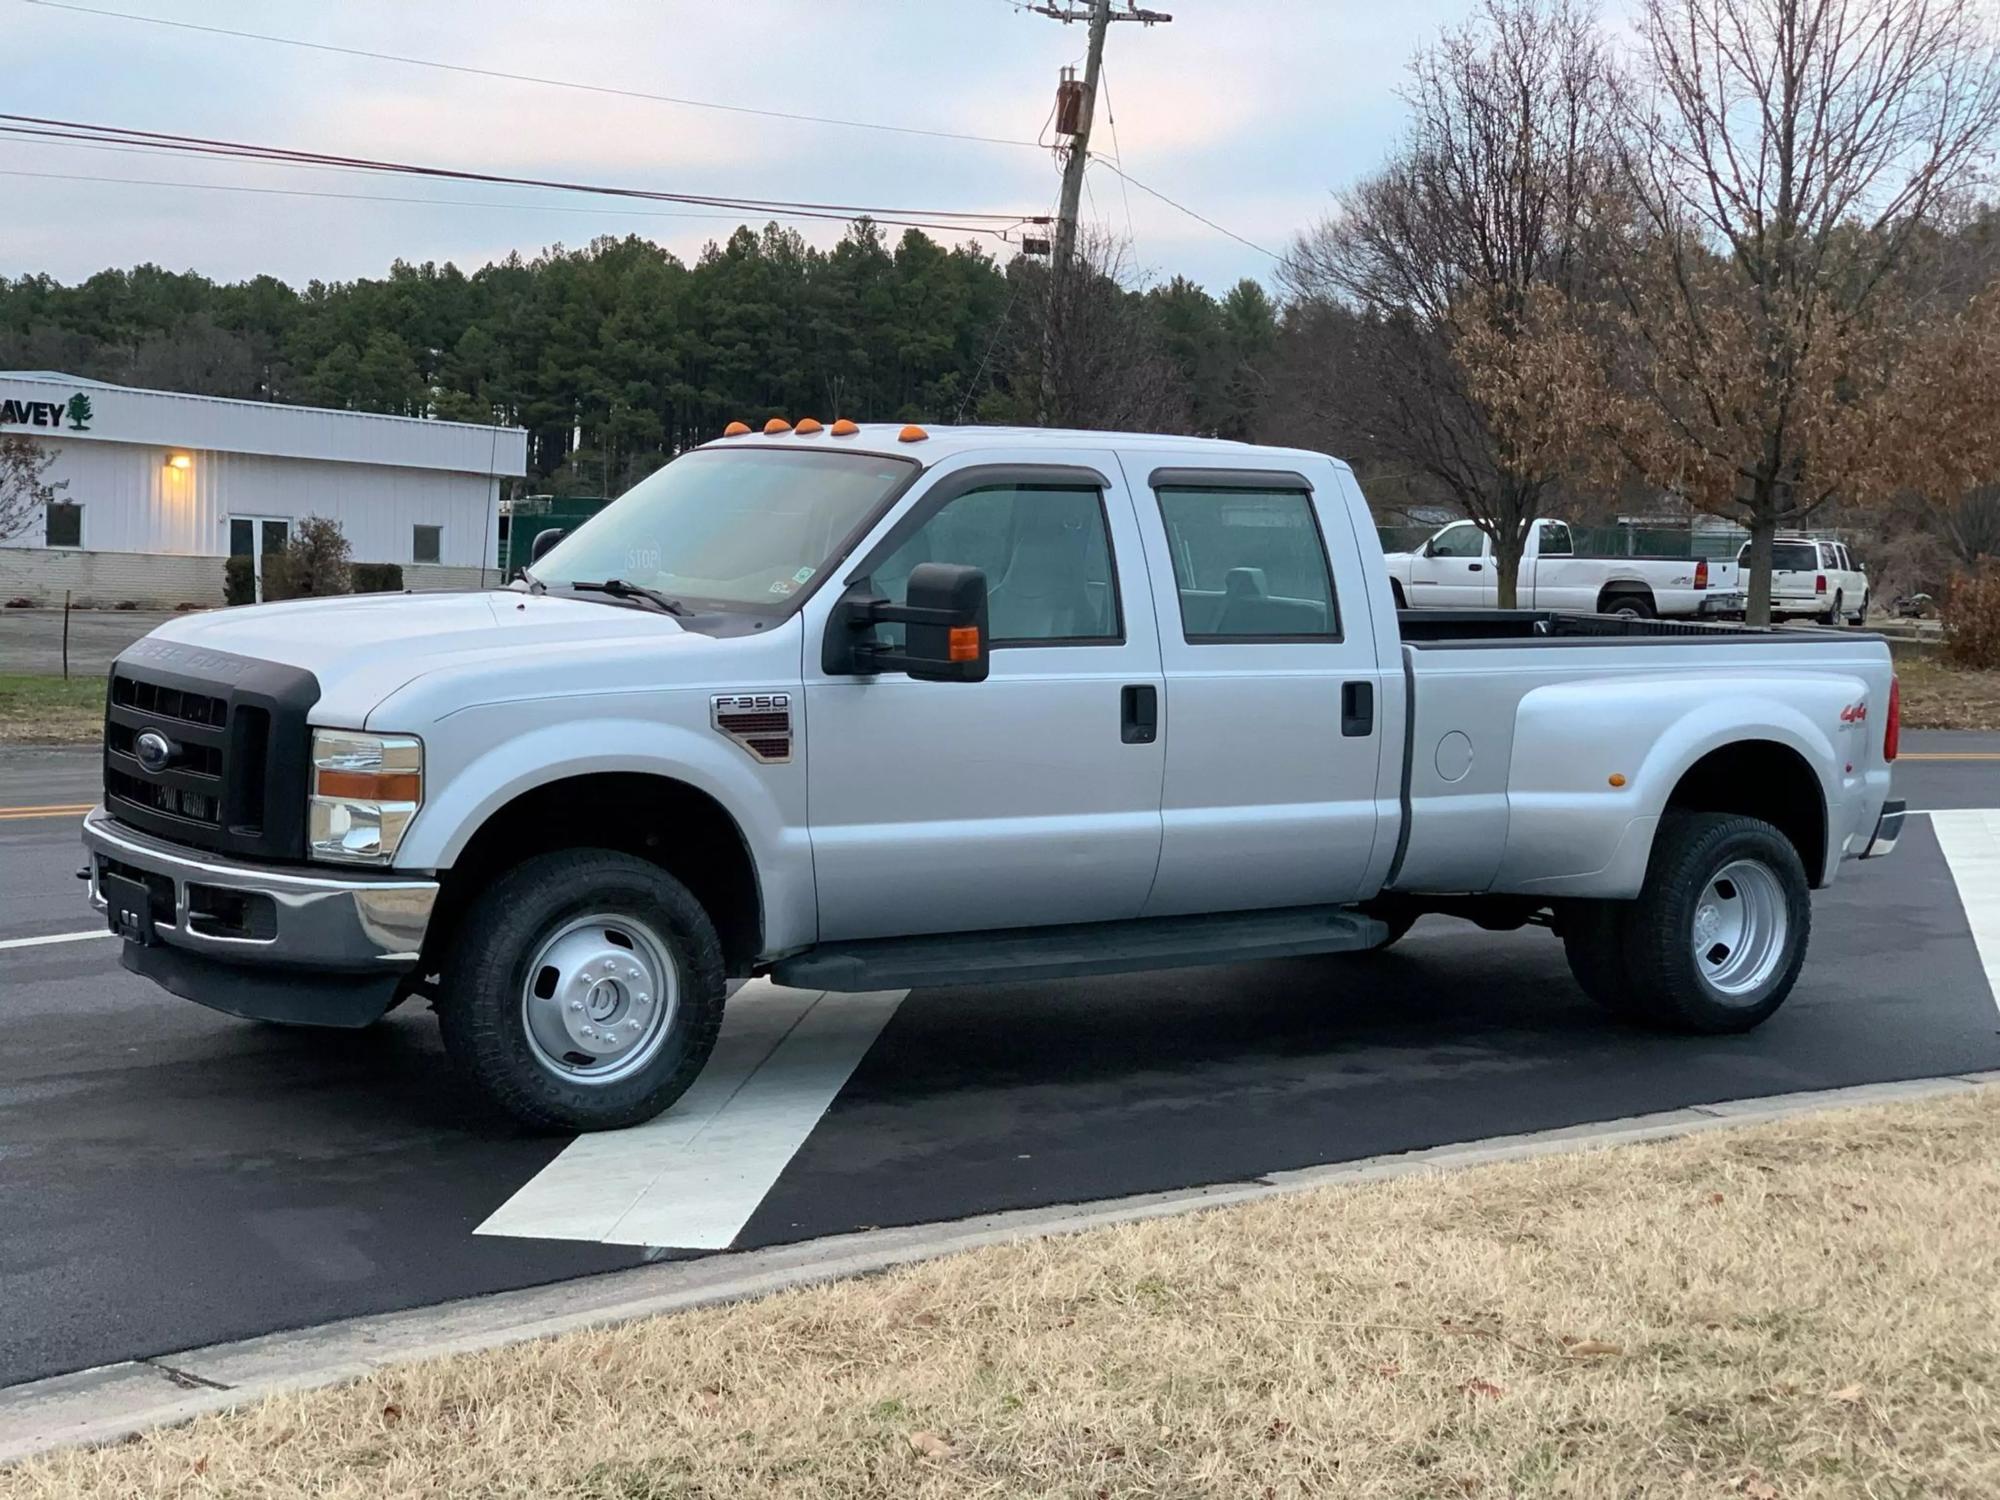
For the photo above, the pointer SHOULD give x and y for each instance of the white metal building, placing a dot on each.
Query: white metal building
(161, 488)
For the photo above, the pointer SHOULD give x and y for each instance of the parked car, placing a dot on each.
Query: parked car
(859, 708)
(1813, 579)
(1455, 569)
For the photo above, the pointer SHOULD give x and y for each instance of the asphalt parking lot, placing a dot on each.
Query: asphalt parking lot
(172, 1177)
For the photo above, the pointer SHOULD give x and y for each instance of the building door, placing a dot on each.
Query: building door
(258, 537)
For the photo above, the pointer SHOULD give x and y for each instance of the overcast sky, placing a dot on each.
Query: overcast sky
(1251, 111)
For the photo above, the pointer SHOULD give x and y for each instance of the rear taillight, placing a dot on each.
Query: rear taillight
(1701, 574)
(1819, 584)
(1892, 737)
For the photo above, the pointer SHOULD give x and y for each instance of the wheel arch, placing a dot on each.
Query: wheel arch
(1765, 779)
(1625, 588)
(680, 827)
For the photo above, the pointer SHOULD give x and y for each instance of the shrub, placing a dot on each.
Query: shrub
(1972, 618)
(239, 583)
(378, 578)
(314, 563)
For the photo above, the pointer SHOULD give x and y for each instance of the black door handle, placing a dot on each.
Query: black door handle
(1139, 713)
(1475, 567)
(1357, 709)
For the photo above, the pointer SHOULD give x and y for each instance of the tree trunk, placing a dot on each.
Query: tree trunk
(1508, 545)
(1763, 526)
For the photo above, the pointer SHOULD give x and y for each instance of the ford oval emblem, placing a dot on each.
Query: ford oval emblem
(154, 750)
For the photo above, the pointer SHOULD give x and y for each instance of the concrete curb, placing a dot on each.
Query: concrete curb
(114, 1401)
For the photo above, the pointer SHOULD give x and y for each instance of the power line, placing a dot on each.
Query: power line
(546, 82)
(85, 133)
(1182, 207)
(548, 208)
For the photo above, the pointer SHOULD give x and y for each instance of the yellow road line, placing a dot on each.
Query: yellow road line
(67, 810)
(1949, 755)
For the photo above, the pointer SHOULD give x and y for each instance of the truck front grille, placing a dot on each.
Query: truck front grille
(234, 773)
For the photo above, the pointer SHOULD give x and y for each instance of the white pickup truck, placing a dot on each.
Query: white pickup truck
(1456, 569)
(860, 708)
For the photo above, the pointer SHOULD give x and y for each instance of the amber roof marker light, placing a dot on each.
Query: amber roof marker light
(808, 426)
(736, 429)
(844, 428)
(775, 426)
(912, 434)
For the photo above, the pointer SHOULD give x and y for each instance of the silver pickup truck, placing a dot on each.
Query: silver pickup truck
(863, 708)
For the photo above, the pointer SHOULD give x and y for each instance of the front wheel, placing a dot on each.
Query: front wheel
(1715, 940)
(583, 991)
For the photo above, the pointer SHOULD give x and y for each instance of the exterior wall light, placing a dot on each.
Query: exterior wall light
(180, 461)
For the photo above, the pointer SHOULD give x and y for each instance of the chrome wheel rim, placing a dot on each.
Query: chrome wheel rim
(1740, 929)
(599, 999)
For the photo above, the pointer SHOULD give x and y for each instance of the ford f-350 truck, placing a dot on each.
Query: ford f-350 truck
(857, 708)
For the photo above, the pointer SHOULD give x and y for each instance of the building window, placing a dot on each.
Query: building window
(425, 543)
(65, 524)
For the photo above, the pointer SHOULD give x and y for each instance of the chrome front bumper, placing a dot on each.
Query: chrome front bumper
(353, 924)
(1888, 828)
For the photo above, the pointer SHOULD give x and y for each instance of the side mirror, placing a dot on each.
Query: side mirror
(944, 620)
(544, 543)
(1430, 547)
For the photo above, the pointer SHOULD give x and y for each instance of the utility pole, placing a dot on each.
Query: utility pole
(1075, 109)
(1099, 15)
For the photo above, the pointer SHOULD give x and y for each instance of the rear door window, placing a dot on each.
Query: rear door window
(1249, 565)
(1792, 557)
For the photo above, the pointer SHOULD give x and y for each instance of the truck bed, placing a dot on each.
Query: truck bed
(1424, 628)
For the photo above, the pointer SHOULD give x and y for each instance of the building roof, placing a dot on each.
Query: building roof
(171, 419)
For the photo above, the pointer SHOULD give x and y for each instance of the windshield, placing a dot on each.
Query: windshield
(749, 527)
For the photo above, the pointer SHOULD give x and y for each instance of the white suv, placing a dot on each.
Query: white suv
(1814, 578)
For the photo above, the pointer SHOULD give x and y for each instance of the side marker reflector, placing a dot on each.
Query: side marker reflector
(964, 643)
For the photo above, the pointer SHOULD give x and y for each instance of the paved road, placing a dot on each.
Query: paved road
(170, 1177)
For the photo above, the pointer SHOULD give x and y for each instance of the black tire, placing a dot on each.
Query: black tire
(1396, 593)
(482, 1004)
(1833, 614)
(1596, 945)
(1861, 614)
(1632, 606)
(1671, 987)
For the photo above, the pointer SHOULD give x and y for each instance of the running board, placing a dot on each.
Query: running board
(1079, 950)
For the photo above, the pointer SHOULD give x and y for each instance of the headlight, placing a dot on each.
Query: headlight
(365, 790)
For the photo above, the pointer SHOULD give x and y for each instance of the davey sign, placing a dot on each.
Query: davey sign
(74, 414)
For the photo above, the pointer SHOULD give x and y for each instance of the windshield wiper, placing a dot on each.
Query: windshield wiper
(618, 588)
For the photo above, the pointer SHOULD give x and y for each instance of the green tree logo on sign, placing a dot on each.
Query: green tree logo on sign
(79, 413)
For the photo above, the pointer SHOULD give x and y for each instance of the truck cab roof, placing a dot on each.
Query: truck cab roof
(941, 442)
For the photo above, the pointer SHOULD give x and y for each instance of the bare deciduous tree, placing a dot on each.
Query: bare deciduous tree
(1784, 159)
(25, 488)
(1491, 195)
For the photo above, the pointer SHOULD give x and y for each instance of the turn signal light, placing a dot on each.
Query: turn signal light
(844, 428)
(964, 643)
(372, 786)
(1819, 584)
(736, 429)
(912, 434)
(1892, 737)
(1701, 574)
(808, 426)
(775, 426)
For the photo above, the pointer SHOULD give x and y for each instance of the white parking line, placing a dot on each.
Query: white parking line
(1970, 838)
(692, 1178)
(56, 937)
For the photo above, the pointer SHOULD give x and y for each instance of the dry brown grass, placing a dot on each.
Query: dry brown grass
(50, 710)
(1800, 1309)
(1937, 696)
